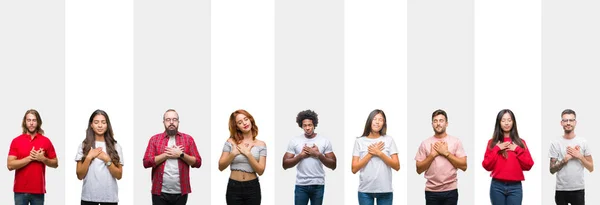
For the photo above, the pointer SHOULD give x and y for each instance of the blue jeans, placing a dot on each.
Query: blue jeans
(369, 198)
(314, 193)
(441, 198)
(26, 199)
(506, 193)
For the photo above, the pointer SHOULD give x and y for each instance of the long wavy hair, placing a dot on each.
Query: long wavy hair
(499, 133)
(234, 132)
(37, 117)
(90, 139)
(372, 115)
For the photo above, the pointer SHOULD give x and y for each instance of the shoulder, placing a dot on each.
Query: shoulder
(230, 141)
(156, 136)
(260, 143)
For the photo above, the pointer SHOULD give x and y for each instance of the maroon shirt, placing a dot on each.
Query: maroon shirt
(156, 146)
(31, 178)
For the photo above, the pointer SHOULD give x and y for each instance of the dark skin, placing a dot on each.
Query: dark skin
(290, 160)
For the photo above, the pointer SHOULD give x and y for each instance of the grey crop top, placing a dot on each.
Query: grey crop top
(240, 162)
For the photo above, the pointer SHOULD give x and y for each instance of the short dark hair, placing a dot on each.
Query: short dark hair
(567, 112)
(439, 112)
(307, 114)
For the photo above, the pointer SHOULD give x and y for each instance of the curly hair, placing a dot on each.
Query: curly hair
(307, 114)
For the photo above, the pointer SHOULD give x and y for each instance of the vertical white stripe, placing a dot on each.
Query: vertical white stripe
(375, 78)
(242, 37)
(508, 75)
(99, 75)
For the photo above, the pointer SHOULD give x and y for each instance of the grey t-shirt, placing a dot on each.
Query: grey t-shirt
(376, 176)
(309, 170)
(98, 184)
(171, 182)
(240, 162)
(570, 177)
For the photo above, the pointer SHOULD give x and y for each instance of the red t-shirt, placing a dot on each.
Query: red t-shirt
(32, 177)
(510, 168)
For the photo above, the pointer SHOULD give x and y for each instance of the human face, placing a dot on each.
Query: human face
(308, 127)
(568, 122)
(506, 122)
(377, 123)
(243, 123)
(99, 125)
(171, 122)
(439, 124)
(31, 123)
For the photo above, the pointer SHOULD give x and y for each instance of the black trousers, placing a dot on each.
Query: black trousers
(96, 203)
(169, 199)
(574, 197)
(243, 193)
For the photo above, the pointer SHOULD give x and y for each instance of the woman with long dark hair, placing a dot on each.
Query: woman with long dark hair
(99, 162)
(246, 156)
(506, 156)
(375, 155)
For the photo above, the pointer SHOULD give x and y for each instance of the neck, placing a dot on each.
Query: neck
(310, 136)
(374, 135)
(99, 138)
(569, 135)
(247, 136)
(440, 135)
(506, 134)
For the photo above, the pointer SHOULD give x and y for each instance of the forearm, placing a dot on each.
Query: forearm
(82, 168)
(189, 159)
(224, 162)
(18, 163)
(329, 162)
(158, 159)
(51, 162)
(459, 163)
(258, 167)
(555, 167)
(116, 170)
(422, 166)
(360, 163)
(291, 162)
(588, 164)
(394, 164)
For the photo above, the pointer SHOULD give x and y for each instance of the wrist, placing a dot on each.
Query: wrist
(447, 154)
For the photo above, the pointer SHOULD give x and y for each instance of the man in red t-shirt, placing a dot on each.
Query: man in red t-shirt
(29, 155)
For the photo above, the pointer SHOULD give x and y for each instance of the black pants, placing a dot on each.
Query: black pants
(442, 198)
(243, 193)
(96, 203)
(573, 197)
(169, 199)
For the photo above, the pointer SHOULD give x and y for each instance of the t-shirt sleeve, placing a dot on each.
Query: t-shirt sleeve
(422, 152)
(13, 148)
(459, 151)
(554, 151)
(79, 154)
(227, 147)
(263, 151)
(328, 147)
(393, 148)
(291, 147)
(120, 152)
(356, 150)
(586, 149)
(50, 152)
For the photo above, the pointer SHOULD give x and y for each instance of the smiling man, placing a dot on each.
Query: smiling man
(569, 155)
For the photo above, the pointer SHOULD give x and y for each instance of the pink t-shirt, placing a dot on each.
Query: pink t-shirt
(441, 175)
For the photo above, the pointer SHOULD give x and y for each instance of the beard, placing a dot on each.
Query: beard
(442, 131)
(171, 132)
(35, 130)
(568, 131)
